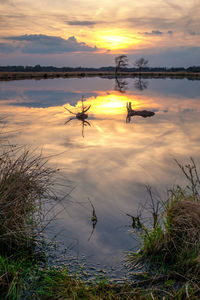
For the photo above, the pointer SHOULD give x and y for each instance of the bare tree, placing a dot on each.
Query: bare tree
(141, 63)
(120, 62)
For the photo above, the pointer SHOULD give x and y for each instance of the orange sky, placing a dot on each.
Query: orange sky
(88, 32)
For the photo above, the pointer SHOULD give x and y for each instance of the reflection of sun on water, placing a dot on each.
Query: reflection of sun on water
(112, 104)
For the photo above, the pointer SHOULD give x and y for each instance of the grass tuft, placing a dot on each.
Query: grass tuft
(25, 183)
(171, 248)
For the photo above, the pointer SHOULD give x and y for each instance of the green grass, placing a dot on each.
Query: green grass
(15, 271)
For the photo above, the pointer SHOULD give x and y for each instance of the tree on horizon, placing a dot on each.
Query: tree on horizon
(120, 62)
(141, 63)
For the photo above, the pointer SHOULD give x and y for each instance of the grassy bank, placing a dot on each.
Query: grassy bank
(4, 76)
(170, 254)
(166, 267)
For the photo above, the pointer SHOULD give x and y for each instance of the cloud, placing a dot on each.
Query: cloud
(146, 22)
(153, 32)
(194, 33)
(81, 23)
(6, 48)
(174, 5)
(5, 2)
(156, 32)
(44, 44)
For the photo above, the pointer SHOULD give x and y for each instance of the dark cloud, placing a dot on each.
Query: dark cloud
(194, 33)
(44, 44)
(187, 110)
(81, 23)
(153, 32)
(156, 32)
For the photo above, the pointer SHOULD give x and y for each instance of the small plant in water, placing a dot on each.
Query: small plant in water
(93, 219)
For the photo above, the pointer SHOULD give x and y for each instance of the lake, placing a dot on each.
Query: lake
(107, 161)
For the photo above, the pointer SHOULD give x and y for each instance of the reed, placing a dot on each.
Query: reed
(25, 186)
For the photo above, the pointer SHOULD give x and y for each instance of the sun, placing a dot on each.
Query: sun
(115, 40)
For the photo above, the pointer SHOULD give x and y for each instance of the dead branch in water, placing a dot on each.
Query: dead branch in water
(141, 113)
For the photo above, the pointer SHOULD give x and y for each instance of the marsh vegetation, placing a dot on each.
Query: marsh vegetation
(169, 256)
(168, 259)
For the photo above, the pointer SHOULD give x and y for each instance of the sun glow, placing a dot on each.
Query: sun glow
(114, 40)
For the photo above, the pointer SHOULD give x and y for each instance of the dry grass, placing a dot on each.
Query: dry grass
(184, 218)
(169, 259)
(45, 75)
(172, 246)
(25, 183)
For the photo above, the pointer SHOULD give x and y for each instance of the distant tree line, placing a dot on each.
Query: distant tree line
(140, 65)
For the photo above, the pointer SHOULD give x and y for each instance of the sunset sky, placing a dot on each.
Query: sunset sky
(91, 33)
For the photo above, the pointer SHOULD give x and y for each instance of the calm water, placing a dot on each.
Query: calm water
(115, 160)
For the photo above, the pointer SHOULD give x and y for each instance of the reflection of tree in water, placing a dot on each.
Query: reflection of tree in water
(120, 84)
(140, 84)
(142, 113)
(81, 116)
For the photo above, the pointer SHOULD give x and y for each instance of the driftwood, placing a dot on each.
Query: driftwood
(141, 113)
(82, 116)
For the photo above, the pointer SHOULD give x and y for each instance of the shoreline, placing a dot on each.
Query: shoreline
(7, 76)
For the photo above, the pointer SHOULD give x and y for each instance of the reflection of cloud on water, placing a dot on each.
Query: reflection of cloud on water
(173, 88)
(114, 161)
(7, 94)
(39, 98)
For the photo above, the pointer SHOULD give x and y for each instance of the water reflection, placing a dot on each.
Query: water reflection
(121, 85)
(140, 84)
(81, 116)
(114, 161)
